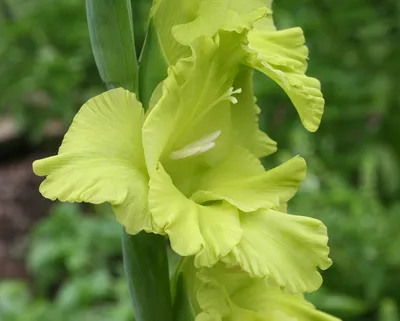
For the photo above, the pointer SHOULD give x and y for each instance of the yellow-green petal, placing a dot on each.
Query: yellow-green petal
(242, 181)
(249, 6)
(101, 159)
(208, 232)
(232, 295)
(287, 249)
(246, 130)
(237, 22)
(274, 305)
(196, 89)
(208, 17)
(282, 56)
(179, 22)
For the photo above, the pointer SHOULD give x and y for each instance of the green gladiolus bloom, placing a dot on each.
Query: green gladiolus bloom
(188, 168)
(229, 294)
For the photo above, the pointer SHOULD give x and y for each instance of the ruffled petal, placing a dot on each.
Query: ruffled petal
(179, 22)
(208, 232)
(101, 159)
(232, 295)
(242, 181)
(274, 305)
(286, 248)
(282, 56)
(208, 17)
(246, 130)
(239, 21)
(247, 7)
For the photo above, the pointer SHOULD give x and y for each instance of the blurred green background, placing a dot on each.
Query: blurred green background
(63, 262)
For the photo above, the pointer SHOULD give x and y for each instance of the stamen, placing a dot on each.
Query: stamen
(198, 147)
(205, 140)
(236, 91)
(229, 94)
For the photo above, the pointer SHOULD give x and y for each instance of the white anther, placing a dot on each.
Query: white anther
(233, 100)
(198, 147)
(230, 92)
(236, 91)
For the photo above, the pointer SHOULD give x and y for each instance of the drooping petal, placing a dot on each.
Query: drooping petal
(246, 130)
(194, 88)
(232, 295)
(208, 232)
(101, 159)
(282, 56)
(242, 181)
(286, 248)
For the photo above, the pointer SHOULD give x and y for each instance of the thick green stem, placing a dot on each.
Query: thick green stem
(146, 267)
(145, 259)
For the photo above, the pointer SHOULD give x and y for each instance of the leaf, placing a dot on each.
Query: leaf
(111, 35)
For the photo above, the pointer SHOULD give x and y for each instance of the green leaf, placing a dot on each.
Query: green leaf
(111, 35)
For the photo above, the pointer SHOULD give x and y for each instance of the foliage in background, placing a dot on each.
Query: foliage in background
(47, 70)
(47, 67)
(76, 265)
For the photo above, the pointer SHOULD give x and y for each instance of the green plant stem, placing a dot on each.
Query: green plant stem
(146, 267)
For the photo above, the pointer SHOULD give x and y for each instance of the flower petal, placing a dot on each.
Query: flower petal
(245, 118)
(242, 181)
(286, 248)
(282, 56)
(242, 14)
(274, 305)
(208, 232)
(247, 7)
(195, 87)
(179, 22)
(101, 159)
(232, 295)
(209, 16)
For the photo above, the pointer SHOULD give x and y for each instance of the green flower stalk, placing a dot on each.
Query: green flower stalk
(188, 168)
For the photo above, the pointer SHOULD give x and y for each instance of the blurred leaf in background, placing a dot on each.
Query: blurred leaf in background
(76, 265)
(47, 67)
